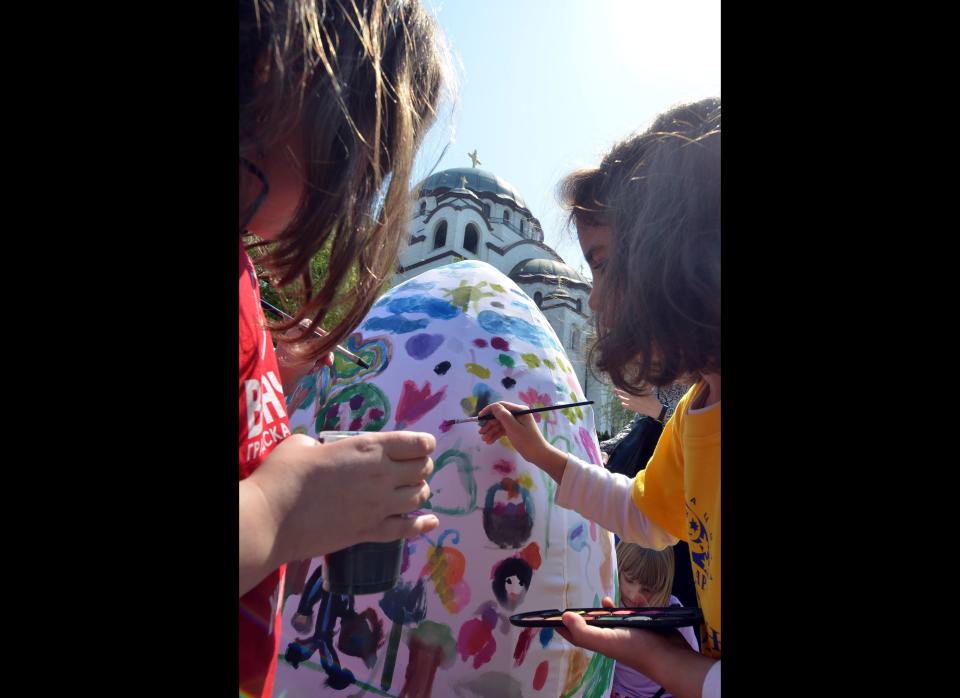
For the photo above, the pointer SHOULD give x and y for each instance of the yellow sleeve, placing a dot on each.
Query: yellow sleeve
(658, 491)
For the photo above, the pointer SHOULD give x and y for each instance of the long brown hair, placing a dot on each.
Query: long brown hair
(659, 192)
(363, 80)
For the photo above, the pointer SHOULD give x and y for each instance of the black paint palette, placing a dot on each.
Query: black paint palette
(651, 618)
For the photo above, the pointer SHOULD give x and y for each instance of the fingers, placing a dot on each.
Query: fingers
(408, 445)
(579, 633)
(403, 500)
(395, 527)
(411, 473)
(607, 602)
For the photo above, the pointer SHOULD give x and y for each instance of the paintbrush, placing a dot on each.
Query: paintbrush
(317, 331)
(518, 413)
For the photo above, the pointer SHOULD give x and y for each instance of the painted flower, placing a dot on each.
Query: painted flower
(416, 402)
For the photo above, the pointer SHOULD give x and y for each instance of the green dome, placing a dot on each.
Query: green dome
(478, 181)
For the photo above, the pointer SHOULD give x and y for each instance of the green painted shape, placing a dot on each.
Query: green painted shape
(478, 370)
(533, 361)
(373, 397)
(467, 480)
(506, 360)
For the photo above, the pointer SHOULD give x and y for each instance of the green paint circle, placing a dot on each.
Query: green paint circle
(373, 398)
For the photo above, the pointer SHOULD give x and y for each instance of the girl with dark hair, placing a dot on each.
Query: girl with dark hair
(335, 97)
(648, 221)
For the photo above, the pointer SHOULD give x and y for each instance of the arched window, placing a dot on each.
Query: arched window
(486, 210)
(538, 298)
(423, 207)
(575, 339)
(440, 235)
(471, 238)
(521, 225)
(506, 216)
(579, 306)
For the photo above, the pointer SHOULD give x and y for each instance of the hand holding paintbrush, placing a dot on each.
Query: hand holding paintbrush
(517, 423)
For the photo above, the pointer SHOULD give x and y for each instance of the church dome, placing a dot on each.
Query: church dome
(477, 180)
(533, 270)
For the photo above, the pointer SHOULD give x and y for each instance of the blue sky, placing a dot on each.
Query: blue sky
(547, 86)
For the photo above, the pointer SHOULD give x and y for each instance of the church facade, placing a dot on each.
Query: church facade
(470, 213)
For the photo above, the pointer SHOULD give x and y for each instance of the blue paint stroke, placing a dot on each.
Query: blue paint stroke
(413, 285)
(577, 538)
(498, 324)
(434, 307)
(546, 634)
(397, 324)
(420, 346)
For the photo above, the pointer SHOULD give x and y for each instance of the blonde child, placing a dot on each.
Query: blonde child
(646, 577)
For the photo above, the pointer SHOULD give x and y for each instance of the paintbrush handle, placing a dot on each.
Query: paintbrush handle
(303, 323)
(548, 408)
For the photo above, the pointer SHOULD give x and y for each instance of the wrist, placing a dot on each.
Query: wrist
(554, 462)
(272, 499)
(258, 536)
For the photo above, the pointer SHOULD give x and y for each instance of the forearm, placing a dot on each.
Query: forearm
(258, 550)
(679, 670)
(605, 497)
(553, 462)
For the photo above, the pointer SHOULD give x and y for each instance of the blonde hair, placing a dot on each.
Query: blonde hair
(650, 568)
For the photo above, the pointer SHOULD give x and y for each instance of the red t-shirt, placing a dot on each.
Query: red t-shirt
(263, 424)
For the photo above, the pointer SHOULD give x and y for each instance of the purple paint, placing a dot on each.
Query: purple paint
(355, 403)
(480, 343)
(420, 346)
(416, 402)
(500, 343)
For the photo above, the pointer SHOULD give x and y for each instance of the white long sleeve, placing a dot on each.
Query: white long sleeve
(604, 497)
(711, 683)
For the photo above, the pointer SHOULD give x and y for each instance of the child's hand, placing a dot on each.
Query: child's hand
(664, 657)
(524, 436)
(307, 498)
(647, 404)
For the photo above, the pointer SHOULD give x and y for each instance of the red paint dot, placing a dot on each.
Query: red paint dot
(480, 342)
(540, 677)
(503, 466)
(500, 343)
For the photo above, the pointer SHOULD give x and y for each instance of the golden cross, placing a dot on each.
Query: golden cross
(463, 181)
(473, 158)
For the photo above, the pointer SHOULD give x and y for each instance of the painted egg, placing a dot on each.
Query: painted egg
(440, 347)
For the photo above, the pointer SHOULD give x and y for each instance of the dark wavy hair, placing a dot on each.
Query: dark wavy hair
(659, 192)
(363, 79)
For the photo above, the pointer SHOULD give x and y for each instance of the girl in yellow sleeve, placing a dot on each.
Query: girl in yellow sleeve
(648, 221)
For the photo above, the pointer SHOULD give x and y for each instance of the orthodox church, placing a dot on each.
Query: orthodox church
(470, 213)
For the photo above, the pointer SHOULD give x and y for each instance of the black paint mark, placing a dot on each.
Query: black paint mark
(508, 382)
(441, 368)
